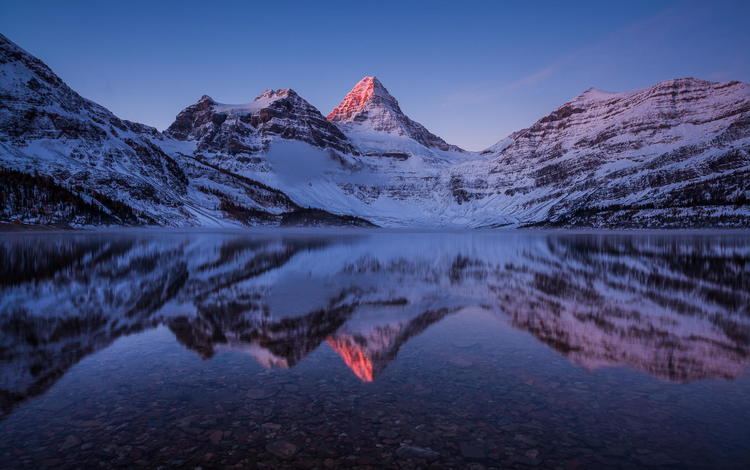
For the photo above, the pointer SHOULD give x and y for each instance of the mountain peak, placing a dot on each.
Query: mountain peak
(374, 87)
(595, 94)
(368, 91)
(249, 127)
(370, 107)
(271, 94)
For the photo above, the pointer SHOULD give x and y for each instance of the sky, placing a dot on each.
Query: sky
(471, 72)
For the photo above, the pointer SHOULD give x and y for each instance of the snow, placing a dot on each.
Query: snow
(594, 94)
(600, 149)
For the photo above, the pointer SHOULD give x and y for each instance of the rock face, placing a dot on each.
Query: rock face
(675, 154)
(368, 107)
(250, 128)
(112, 168)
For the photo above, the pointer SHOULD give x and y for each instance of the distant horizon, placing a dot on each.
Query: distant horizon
(471, 74)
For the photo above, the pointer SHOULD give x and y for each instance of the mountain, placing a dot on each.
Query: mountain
(108, 168)
(674, 154)
(250, 128)
(65, 160)
(368, 111)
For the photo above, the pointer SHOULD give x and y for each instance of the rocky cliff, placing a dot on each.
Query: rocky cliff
(250, 128)
(370, 108)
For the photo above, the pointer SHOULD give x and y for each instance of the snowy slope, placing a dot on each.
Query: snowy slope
(48, 128)
(676, 154)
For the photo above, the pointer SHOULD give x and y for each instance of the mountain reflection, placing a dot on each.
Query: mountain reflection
(676, 307)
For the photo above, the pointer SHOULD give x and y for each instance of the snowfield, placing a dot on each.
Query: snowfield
(676, 154)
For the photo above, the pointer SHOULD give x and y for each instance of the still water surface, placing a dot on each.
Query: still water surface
(374, 350)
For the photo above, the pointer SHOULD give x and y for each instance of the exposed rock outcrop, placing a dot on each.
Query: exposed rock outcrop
(250, 128)
(369, 107)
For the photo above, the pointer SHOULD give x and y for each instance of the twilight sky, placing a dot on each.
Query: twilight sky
(471, 72)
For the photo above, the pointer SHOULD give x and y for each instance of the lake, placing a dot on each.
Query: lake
(374, 349)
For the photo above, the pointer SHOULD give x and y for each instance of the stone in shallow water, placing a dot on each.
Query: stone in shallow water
(70, 441)
(388, 434)
(413, 452)
(282, 449)
(215, 436)
(656, 460)
(472, 451)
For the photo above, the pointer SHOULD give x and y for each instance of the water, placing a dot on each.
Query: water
(374, 350)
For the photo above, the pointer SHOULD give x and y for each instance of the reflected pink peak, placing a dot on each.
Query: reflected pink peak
(354, 356)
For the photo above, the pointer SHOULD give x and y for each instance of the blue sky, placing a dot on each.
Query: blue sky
(472, 72)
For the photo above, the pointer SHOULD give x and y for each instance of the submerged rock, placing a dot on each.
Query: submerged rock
(282, 449)
(413, 452)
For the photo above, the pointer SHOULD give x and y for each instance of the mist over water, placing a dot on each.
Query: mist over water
(374, 349)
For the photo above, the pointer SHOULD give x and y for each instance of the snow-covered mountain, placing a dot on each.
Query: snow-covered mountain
(677, 153)
(373, 118)
(381, 172)
(673, 155)
(91, 157)
(66, 160)
(249, 128)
